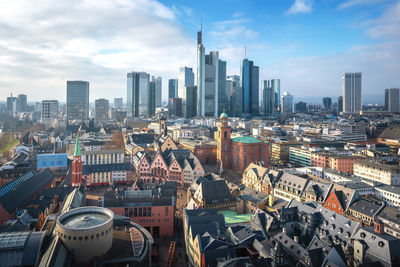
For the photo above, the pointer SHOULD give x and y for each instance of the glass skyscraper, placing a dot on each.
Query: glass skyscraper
(77, 100)
(351, 82)
(249, 75)
(223, 91)
(185, 80)
(287, 103)
(158, 92)
(172, 88)
(138, 94)
(268, 99)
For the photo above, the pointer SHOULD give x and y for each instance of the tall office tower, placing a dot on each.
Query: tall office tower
(158, 95)
(185, 80)
(327, 103)
(339, 105)
(77, 100)
(175, 107)
(200, 75)
(276, 85)
(118, 103)
(392, 98)
(22, 103)
(138, 94)
(351, 82)
(268, 99)
(223, 92)
(101, 107)
(172, 88)
(250, 83)
(237, 102)
(49, 110)
(11, 103)
(235, 79)
(152, 97)
(287, 103)
(191, 102)
(300, 107)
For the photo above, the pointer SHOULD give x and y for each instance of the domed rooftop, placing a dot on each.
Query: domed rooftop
(224, 115)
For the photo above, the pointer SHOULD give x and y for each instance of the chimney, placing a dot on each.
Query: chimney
(284, 230)
(296, 239)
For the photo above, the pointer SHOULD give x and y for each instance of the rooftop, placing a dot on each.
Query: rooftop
(246, 140)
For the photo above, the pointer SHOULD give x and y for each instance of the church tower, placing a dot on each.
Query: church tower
(163, 127)
(77, 164)
(224, 143)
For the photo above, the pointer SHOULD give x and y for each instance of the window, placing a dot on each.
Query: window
(135, 212)
(80, 238)
(149, 212)
(140, 212)
(86, 238)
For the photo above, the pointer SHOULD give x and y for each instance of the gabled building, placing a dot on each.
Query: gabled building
(340, 198)
(290, 187)
(260, 178)
(180, 165)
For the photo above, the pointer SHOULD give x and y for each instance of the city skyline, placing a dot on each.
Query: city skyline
(364, 39)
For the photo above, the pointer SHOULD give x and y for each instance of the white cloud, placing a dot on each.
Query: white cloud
(351, 3)
(42, 45)
(233, 29)
(300, 6)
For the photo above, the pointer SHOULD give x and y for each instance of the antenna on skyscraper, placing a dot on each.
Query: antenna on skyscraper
(245, 52)
(201, 24)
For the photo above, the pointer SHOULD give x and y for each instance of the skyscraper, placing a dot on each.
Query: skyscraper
(339, 105)
(172, 88)
(200, 75)
(49, 110)
(191, 101)
(152, 97)
(392, 98)
(287, 103)
(11, 103)
(223, 92)
(249, 75)
(138, 94)
(22, 103)
(185, 80)
(77, 100)
(276, 85)
(236, 94)
(268, 99)
(158, 91)
(118, 103)
(351, 82)
(175, 107)
(300, 107)
(327, 103)
(207, 80)
(101, 109)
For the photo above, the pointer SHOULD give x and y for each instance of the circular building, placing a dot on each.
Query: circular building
(86, 232)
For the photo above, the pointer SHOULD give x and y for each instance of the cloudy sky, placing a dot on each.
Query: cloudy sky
(305, 43)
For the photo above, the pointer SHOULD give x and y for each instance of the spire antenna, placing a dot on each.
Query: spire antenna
(245, 51)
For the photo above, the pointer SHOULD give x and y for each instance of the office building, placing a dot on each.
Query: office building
(392, 98)
(249, 75)
(11, 103)
(151, 108)
(138, 94)
(268, 99)
(185, 80)
(287, 103)
(22, 103)
(276, 85)
(190, 108)
(327, 103)
(300, 107)
(172, 88)
(77, 100)
(340, 104)
(235, 91)
(223, 91)
(175, 107)
(118, 103)
(351, 82)
(207, 80)
(158, 91)
(49, 110)
(101, 109)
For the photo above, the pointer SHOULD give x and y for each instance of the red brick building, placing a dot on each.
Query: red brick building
(237, 153)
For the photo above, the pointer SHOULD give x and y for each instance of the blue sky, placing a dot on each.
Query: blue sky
(305, 43)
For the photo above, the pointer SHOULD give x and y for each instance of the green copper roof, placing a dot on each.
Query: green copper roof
(231, 217)
(77, 151)
(224, 115)
(246, 139)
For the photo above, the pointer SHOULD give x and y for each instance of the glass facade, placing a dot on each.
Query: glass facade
(138, 94)
(77, 100)
(250, 84)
